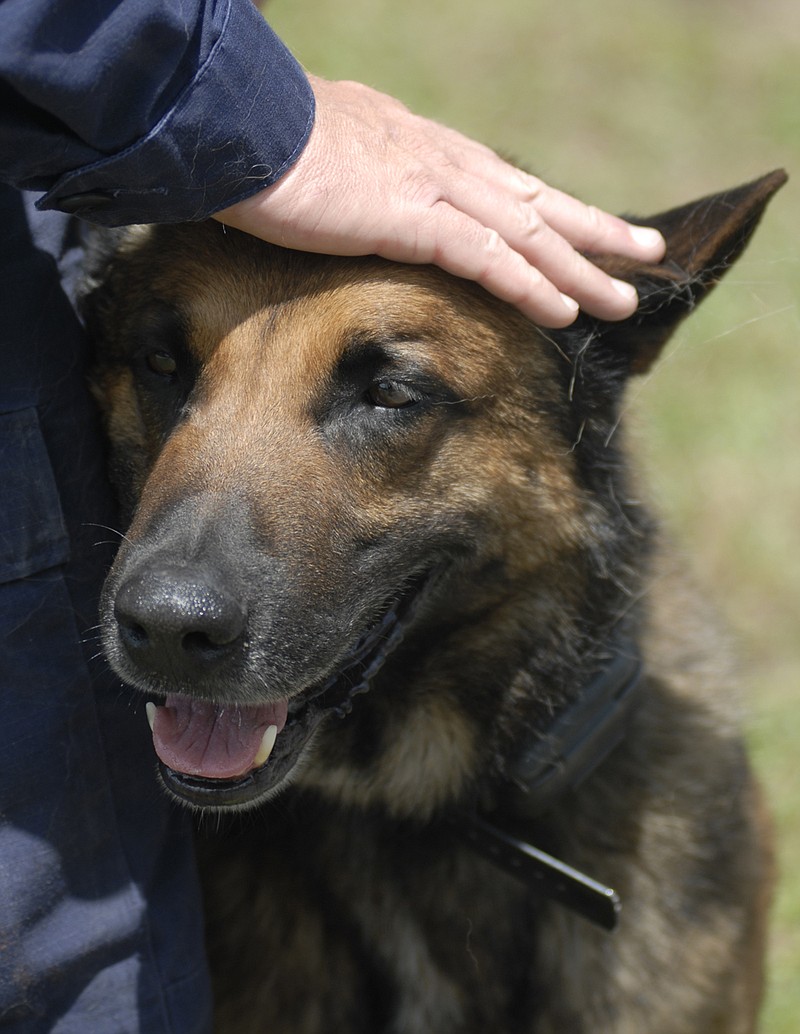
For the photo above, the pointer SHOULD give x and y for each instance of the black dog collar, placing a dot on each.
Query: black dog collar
(578, 740)
(580, 736)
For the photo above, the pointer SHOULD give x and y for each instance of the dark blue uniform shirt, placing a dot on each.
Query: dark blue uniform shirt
(120, 111)
(146, 110)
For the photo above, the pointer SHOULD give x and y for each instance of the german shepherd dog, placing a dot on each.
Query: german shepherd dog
(389, 579)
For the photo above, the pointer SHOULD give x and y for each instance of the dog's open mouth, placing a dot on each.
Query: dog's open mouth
(215, 755)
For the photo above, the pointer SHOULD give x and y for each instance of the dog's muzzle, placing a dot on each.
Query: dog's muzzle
(218, 754)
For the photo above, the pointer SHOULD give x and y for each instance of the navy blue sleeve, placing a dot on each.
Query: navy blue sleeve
(146, 110)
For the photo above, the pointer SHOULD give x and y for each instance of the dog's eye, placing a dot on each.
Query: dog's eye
(388, 394)
(161, 363)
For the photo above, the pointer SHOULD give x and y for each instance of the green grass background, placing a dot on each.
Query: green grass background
(637, 105)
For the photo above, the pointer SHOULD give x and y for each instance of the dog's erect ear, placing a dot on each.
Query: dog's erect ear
(704, 239)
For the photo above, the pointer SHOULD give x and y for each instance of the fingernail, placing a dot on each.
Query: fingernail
(647, 237)
(628, 291)
(570, 303)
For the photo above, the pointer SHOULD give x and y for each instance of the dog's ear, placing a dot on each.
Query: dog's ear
(704, 239)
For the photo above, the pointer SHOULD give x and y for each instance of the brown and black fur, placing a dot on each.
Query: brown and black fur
(267, 461)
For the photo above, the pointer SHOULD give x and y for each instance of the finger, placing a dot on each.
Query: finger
(455, 242)
(528, 234)
(589, 228)
(586, 227)
(594, 290)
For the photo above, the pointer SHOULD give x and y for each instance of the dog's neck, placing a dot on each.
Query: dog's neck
(580, 735)
(578, 739)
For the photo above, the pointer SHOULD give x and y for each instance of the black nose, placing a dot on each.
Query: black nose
(178, 620)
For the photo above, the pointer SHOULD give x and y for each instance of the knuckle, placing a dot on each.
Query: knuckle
(423, 192)
(493, 244)
(532, 188)
(493, 250)
(532, 225)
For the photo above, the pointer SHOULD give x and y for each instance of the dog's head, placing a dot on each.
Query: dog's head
(348, 475)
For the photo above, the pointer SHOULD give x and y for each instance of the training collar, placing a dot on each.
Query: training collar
(577, 741)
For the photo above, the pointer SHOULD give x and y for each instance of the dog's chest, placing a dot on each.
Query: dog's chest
(368, 933)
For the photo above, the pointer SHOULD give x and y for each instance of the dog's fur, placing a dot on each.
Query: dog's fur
(311, 439)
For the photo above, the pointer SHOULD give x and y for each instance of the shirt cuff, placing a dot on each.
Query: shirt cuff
(236, 128)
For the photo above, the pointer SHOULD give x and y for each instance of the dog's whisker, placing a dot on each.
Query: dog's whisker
(106, 527)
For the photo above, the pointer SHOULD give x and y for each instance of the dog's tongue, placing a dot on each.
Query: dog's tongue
(199, 738)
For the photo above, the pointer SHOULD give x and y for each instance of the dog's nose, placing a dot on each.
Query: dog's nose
(176, 620)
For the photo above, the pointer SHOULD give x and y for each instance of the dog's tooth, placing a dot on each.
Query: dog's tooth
(150, 710)
(267, 743)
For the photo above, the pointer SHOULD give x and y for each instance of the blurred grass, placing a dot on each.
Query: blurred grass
(636, 107)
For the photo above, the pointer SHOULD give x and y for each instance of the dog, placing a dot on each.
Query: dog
(389, 582)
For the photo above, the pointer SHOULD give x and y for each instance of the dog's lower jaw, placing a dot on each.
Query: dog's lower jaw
(272, 768)
(286, 746)
(227, 795)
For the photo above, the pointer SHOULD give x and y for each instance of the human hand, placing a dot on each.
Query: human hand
(376, 179)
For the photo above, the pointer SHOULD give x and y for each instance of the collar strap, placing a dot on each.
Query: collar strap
(579, 738)
(545, 875)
